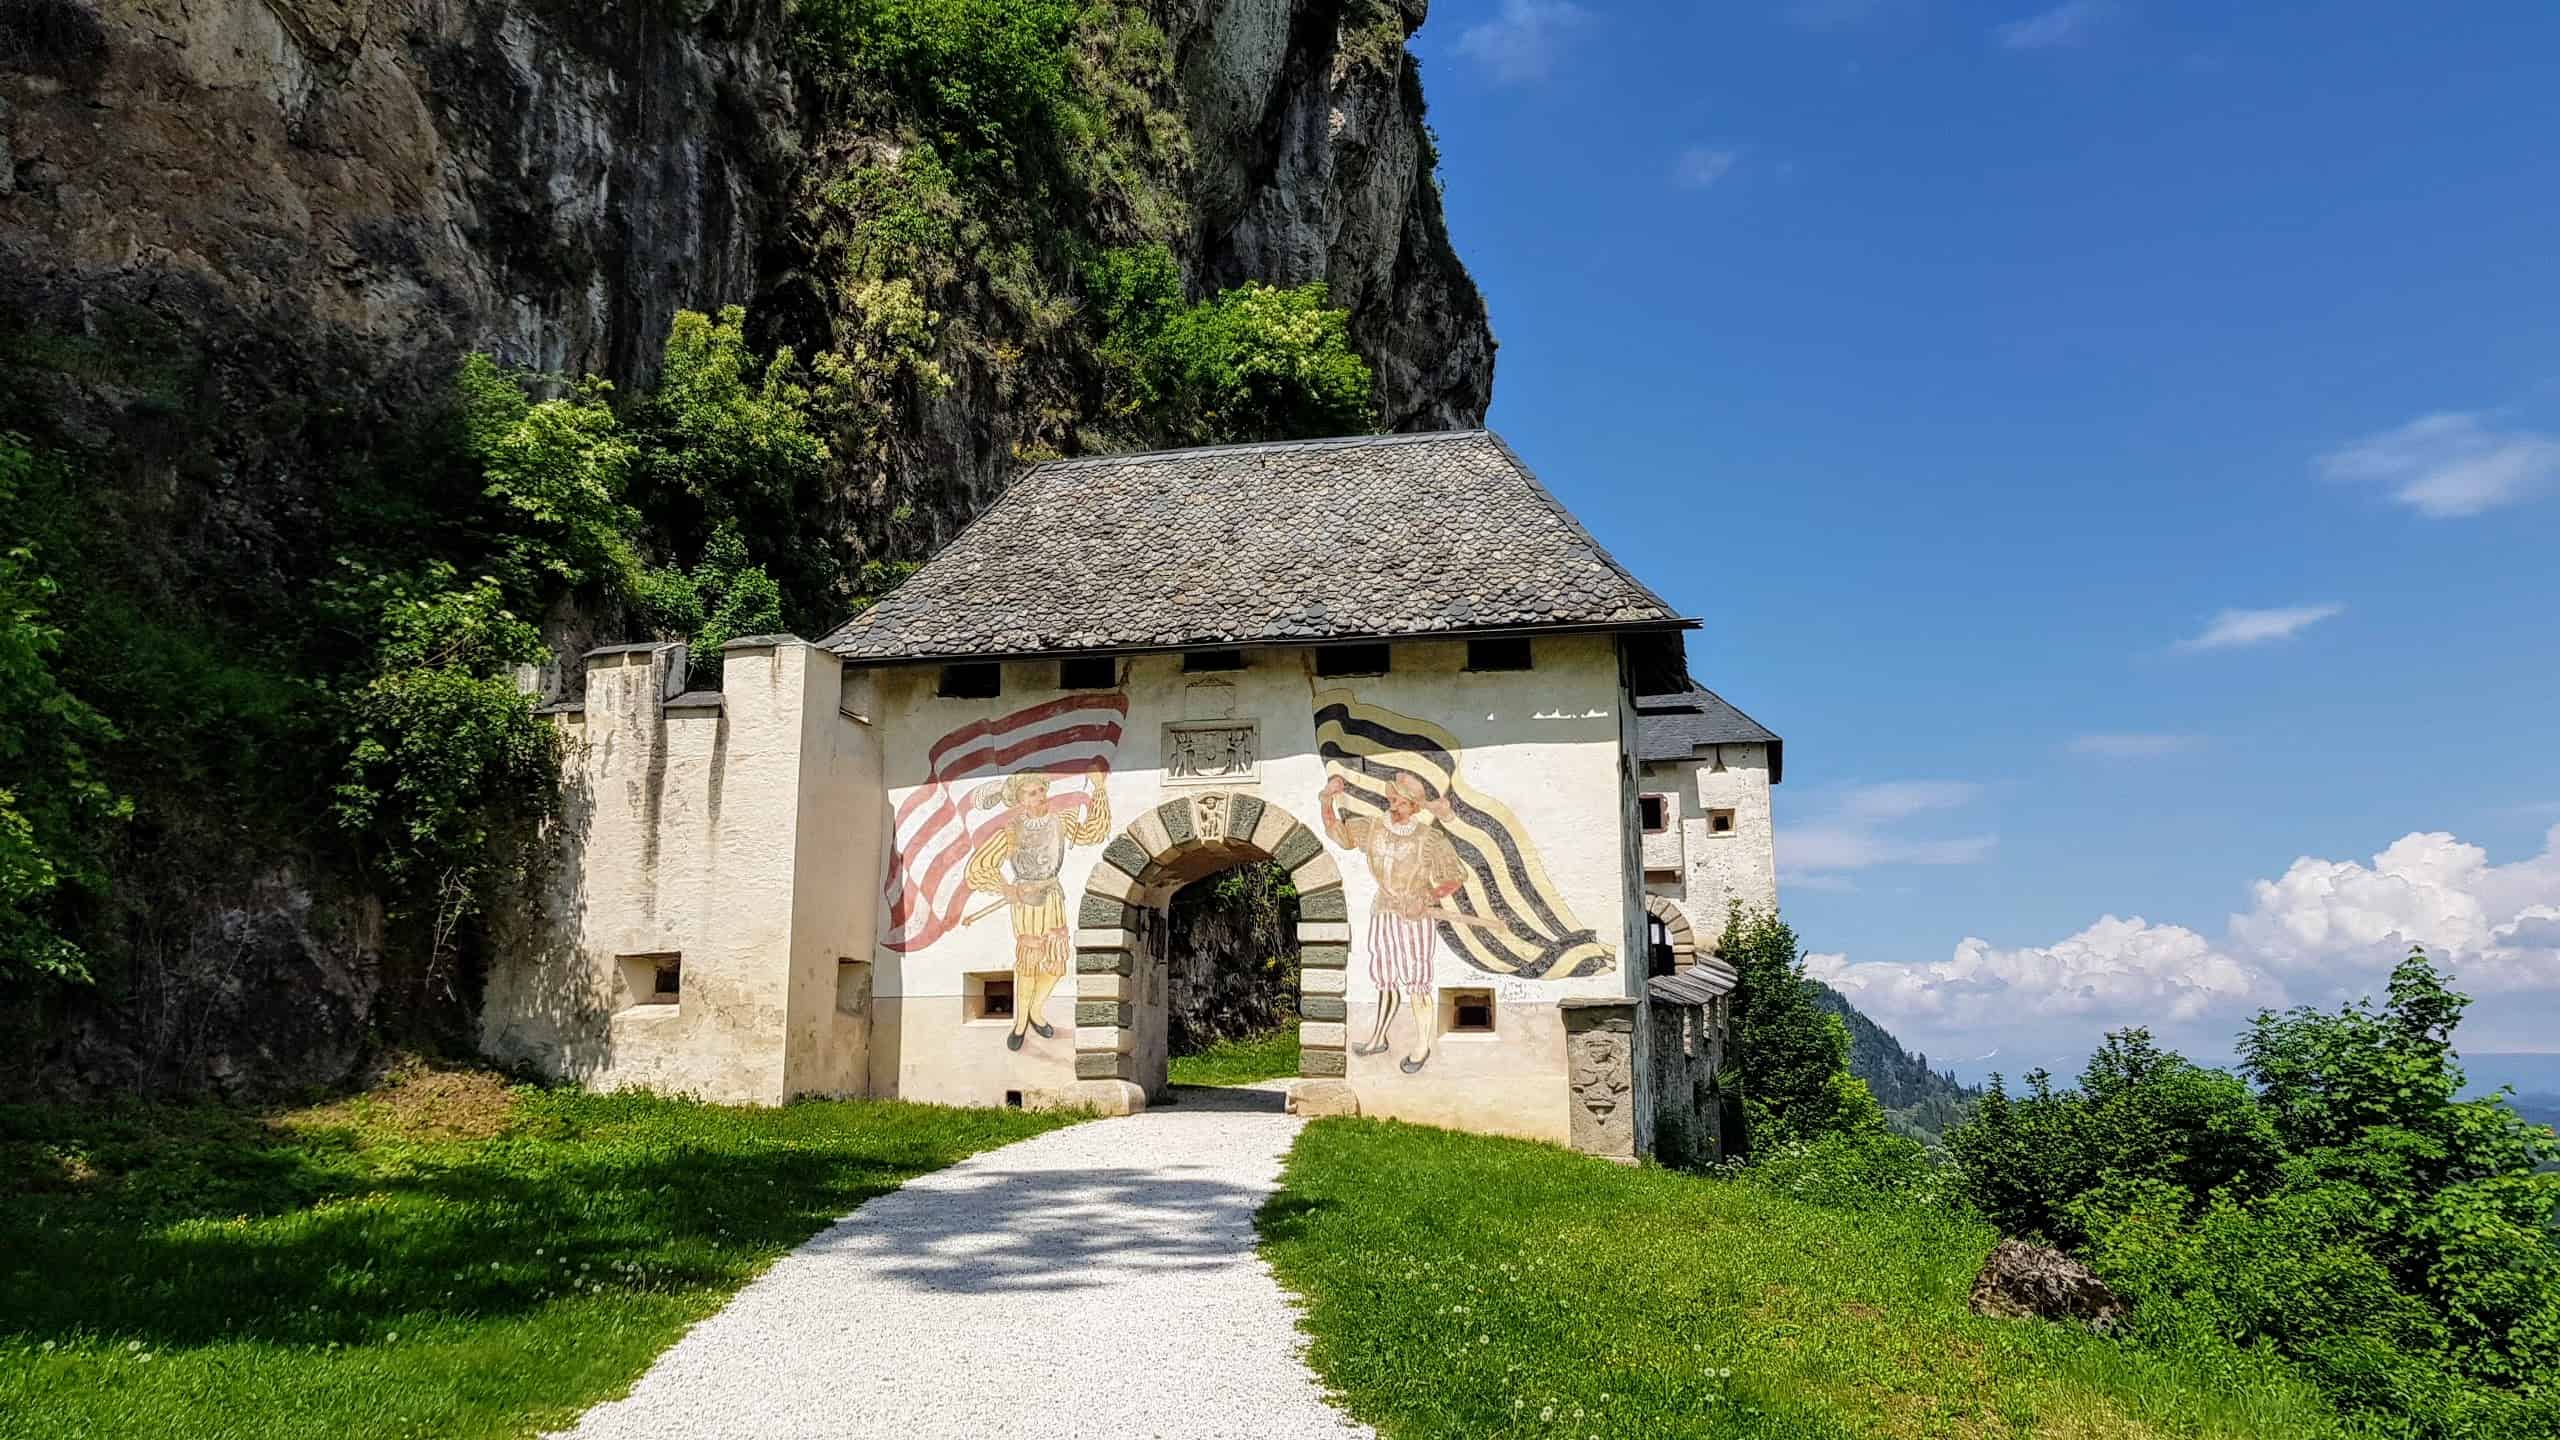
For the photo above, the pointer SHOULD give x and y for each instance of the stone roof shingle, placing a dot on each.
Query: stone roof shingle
(1372, 536)
(1673, 727)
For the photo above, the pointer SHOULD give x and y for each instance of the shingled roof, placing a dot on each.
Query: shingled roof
(1676, 726)
(1371, 537)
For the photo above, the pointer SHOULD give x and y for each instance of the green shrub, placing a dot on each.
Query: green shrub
(1253, 363)
(1792, 1056)
(57, 814)
(2350, 1212)
(1857, 1170)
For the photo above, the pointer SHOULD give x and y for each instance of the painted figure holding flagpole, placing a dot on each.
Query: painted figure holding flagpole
(1020, 861)
(1417, 871)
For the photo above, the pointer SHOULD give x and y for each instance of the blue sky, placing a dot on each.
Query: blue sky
(1963, 365)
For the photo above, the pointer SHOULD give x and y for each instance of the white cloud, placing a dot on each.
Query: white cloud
(2071, 23)
(1700, 166)
(2132, 746)
(2323, 932)
(1519, 43)
(2450, 464)
(1863, 826)
(2232, 629)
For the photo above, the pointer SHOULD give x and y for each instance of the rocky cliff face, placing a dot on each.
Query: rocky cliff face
(242, 240)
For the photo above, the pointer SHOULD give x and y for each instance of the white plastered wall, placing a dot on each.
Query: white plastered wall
(714, 832)
(1545, 742)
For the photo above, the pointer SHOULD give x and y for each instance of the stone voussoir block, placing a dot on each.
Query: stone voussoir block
(1102, 962)
(1105, 1065)
(1175, 817)
(1323, 905)
(1105, 912)
(1297, 847)
(1323, 956)
(1322, 1007)
(1101, 1012)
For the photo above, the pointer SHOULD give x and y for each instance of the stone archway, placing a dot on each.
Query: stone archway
(1684, 938)
(1164, 849)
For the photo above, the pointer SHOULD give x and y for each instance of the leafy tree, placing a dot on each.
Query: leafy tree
(557, 469)
(1793, 1066)
(2350, 1211)
(450, 767)
(57, 813)
(1254, 363)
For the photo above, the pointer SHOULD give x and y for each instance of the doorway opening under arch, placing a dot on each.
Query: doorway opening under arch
(1124, 928)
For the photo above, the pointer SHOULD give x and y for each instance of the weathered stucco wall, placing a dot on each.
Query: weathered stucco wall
(1708, 871)
(783, 840)
(714, 830)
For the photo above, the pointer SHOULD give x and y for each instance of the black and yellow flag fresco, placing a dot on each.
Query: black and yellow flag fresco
(1527, 932)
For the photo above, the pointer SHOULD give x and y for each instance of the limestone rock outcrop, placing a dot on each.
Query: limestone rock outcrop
(2020, 1280)
(241, 240)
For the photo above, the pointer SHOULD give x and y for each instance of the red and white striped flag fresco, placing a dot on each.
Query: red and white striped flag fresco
(939, 823)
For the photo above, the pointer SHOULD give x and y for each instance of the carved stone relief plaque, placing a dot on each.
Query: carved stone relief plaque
(1212, 753)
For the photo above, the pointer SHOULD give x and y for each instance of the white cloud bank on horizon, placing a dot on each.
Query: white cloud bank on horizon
(2451, 464)
(2232, 629)
(1519, 43)
(2323, 932)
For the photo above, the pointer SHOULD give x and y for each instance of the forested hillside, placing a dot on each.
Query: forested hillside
(1918, 1101)
(359, 364)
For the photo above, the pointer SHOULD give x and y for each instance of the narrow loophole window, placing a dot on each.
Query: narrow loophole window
(1198, 660)
(1719, 822)
(1653, 810)
(979, 680)
(1508, 653)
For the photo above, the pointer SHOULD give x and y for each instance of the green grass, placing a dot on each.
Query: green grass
(449, 1258)
(1241, 1062)
(1465, 1286)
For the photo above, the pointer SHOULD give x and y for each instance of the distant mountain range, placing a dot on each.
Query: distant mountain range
(1920, 1102)
(2536, 1079)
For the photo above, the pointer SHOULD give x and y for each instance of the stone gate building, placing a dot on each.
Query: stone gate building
(929, 856)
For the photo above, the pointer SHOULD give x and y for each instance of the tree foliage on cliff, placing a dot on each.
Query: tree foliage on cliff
(2336, 1201)
(1254, 363)
(57, 814)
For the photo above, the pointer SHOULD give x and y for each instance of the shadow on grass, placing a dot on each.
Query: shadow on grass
(185, 1228)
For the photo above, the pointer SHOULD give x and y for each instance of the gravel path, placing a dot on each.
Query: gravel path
(1097, 1281)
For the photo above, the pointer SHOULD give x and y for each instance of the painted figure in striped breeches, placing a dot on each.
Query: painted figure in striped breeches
(1021, 862)
(1417, 870)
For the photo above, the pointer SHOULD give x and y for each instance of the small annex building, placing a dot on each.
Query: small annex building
(929, 855)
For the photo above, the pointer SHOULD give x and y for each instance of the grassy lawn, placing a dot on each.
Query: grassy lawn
(444, 1257)
(1465, 1286)
(1240, 1062)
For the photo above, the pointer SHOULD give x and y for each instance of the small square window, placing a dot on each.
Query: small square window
(1194, 661)
(981, 680)
(1654, 809)
(1507, 653)
(1470, 1012)
(1719, 822)
(1088, 672)
(652, 979)
(1351, 660)
(995, 998)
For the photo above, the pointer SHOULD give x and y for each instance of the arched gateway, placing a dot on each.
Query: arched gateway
(930, 856)
(1120, 1023)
